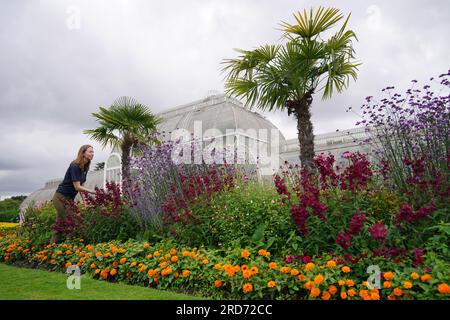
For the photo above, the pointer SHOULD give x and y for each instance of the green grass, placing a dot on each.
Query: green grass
(30, 284)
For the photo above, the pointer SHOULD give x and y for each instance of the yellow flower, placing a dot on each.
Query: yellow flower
(247, 287)
(271, 284)
(345, 269)
(245, 253)
(407, 285)
(331, 264)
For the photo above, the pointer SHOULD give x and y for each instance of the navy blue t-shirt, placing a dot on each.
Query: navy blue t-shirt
(73, 173)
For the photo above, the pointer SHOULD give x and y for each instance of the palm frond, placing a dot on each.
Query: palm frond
(308, 26)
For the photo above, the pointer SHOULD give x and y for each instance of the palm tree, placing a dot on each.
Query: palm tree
(286, 76)
(126, 124)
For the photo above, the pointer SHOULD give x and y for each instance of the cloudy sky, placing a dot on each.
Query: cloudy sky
(61, 60)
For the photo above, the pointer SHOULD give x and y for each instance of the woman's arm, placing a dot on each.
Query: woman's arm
(80, 188)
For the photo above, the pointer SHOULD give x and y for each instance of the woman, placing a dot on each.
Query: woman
(72, 184)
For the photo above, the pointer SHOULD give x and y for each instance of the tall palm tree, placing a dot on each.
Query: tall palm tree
(286, 76)
(126, 124)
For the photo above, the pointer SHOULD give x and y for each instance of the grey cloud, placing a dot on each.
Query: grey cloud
(168, 53)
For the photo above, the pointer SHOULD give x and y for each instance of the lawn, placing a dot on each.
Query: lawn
(30, 284)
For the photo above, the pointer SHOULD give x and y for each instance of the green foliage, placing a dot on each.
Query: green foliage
(9, 215)
(98, 227)
(9, 209)
(38, 224)
(249, 214)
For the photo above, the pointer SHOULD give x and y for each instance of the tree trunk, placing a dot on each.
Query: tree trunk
(126, 149)
(301, 110)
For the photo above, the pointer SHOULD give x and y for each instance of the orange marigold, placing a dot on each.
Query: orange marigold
(326, 295)
(318, 279)
(444, 288)
(294, 272)
(351, 292)
(345, 269)
(407, 285)
(341, 282)
(146, 245)
(285, 269)
(262, 252)
(68, 264)
(174, 259)
(414, 276)
(388, 275)
(425, 278)
(254, 270)
(123, 260)
(315, 292)
(245, 253)
(247, 287)
(152, 272)
(113, 272)
(271, 284)
(218, 283)
(332, 289)
(186, 273)
(349, 282)
(247, 274)
(309, 266)
(387, 284)
(331, 264)
(343, 295)
(173, 251)
(272, 265)
(398, 292)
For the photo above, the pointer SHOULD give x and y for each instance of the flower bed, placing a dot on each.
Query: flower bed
(235, 274)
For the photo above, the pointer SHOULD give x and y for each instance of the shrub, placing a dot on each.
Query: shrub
(9, 215)
(38, 224)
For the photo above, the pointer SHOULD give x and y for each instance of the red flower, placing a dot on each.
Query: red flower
(344, 240)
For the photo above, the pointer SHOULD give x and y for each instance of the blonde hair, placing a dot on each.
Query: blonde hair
(80, 160)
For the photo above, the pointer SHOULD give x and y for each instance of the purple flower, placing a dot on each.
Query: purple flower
(356, 223)
(344, 239)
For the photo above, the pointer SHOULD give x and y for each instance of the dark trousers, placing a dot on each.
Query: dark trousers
(62, 210)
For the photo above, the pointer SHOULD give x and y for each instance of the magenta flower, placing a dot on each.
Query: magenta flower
(378, 231)
(344, 239)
